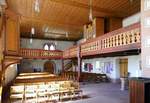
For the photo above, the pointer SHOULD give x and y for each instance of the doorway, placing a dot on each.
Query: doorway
(123, 67)
(49, 66)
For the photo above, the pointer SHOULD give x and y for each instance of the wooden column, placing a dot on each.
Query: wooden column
(145, 37)
(2, 33)
(79, 63)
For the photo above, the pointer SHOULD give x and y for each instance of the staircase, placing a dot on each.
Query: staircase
(69, 65)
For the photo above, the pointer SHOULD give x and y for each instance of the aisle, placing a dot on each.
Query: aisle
(103, 93)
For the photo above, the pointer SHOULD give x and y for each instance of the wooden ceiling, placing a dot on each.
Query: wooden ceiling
(64, 19)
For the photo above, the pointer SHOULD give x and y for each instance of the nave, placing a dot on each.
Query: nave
(76, 51)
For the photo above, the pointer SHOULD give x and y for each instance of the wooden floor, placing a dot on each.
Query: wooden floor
(100, 93)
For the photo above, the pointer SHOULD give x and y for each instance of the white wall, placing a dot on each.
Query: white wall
(10, 73)
(38, 44)
(113, 73)
(131, 19)
(28, 65)
(133, 65)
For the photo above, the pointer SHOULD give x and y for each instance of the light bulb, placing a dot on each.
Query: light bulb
(11, 65)
(32, 31)
(37, 6)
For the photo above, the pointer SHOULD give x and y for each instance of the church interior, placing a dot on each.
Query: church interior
(74, 51)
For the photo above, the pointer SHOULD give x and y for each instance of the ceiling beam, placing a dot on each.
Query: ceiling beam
(95, 8)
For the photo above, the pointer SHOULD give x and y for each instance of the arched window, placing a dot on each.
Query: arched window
(46, 47)
(52, 47)
(49, 46)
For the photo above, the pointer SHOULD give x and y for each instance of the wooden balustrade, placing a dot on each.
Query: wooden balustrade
(123, 39)
(41, 54)
(71, 52)
(127, 38)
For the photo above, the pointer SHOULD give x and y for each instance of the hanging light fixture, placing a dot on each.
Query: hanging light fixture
(131, 1)
(32, 33)
(32, 30)
(90, 13)
(37, 6)
(3, 4)
(67, 35)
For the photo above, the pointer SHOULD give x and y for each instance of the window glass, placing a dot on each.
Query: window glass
(52, 47)
(46, 47)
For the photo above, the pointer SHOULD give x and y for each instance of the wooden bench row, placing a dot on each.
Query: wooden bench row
(48, 91)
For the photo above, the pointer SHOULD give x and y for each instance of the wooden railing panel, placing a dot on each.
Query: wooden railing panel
(71, 52)
(40, 54)
(120, 40)
(123, 39)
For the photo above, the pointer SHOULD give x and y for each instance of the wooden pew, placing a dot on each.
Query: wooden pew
(44, 89)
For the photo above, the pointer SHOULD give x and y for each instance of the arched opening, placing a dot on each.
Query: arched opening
(49, 66)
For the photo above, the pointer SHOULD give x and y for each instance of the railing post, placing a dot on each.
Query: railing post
(62, 61)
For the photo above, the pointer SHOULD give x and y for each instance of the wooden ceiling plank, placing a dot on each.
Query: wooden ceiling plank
(36, 19)
(95, 8)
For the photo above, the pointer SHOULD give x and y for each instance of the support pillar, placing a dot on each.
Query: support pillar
(79, 64)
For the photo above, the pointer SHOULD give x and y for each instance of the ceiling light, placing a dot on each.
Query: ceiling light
(37, 6)
(131, 1)
(2, 2)
(90, 13)
(32, 30)
(67, 34)
(46, 29)
(3, 5)
(11, 65)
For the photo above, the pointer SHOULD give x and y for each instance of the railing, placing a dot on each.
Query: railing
(40, 54)
(127, 38)
(123, 39)
(71, 52)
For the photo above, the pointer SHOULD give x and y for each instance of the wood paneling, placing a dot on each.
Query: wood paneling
(12, 37)
(113, 23)
(139, 90)
(67, 15)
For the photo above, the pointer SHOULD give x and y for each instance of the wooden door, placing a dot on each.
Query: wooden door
(12, 37)
(123, 67)
(49, 67)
